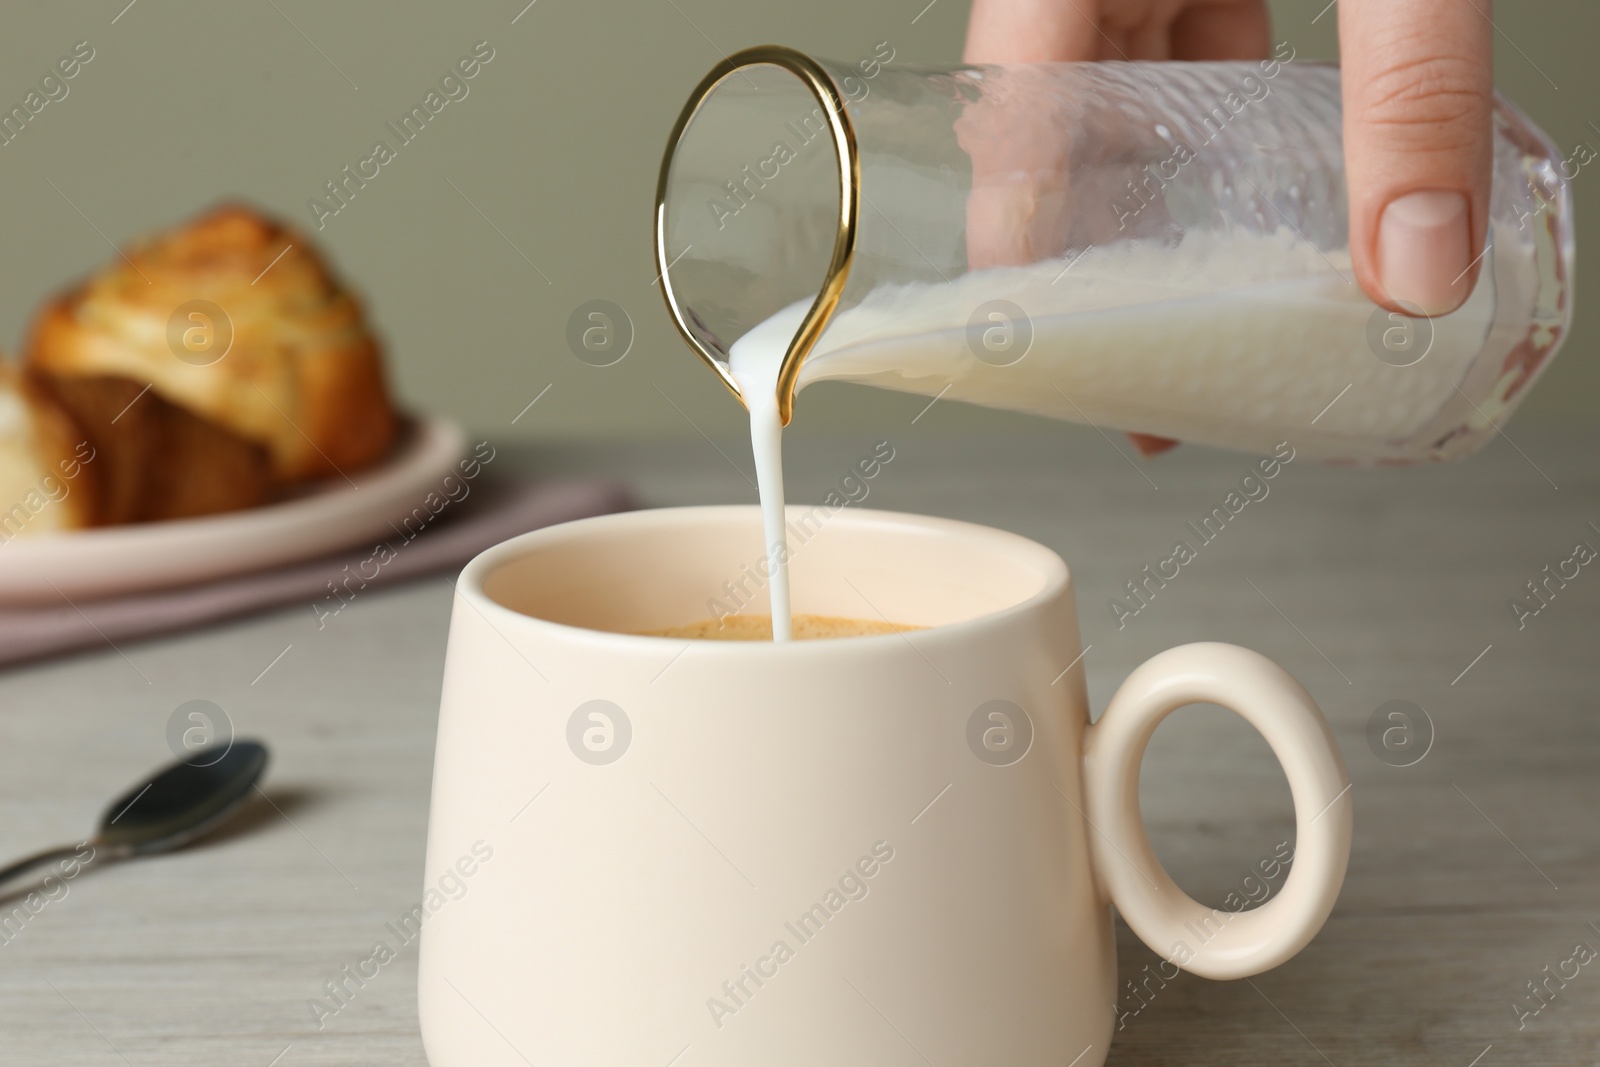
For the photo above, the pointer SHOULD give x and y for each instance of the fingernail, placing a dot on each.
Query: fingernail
(1424, 250)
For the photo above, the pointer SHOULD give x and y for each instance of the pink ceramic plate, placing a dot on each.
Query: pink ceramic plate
(335, 513)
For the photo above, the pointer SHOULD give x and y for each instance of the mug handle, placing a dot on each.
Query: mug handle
(1211, 942)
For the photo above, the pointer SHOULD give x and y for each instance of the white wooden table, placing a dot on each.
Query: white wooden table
(1473, 869)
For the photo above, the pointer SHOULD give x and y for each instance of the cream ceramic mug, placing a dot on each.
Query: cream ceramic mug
(889, 849)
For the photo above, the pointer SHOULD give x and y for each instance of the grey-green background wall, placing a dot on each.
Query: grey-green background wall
(557, 145)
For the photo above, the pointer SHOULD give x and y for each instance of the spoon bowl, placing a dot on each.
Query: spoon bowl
(182, 802)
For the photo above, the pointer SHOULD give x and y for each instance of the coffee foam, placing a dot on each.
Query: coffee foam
(759, 628)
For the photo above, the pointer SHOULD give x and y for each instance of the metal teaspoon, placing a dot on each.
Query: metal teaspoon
(179, 804)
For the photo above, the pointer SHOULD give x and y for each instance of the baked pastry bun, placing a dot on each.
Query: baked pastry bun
(48, 481)
(155, 460)
(236, 320)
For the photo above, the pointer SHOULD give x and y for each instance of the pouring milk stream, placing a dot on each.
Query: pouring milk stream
(755, 365)
(1175, 267)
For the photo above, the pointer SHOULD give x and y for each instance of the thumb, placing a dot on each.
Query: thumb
(1418, 89)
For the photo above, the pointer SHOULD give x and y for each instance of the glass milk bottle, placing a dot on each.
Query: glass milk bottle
(1156, 247)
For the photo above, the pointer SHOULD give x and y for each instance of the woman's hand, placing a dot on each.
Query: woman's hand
(1417, 96)
(1417, 88)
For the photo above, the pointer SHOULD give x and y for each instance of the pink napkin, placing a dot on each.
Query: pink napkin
(493, 514)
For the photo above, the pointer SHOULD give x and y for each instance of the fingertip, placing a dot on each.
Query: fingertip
(1418, 97)
(1149, 444)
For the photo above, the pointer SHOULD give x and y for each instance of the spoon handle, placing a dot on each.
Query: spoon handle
(38, 859)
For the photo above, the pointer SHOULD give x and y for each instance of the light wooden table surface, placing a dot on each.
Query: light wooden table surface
(1473, 869)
